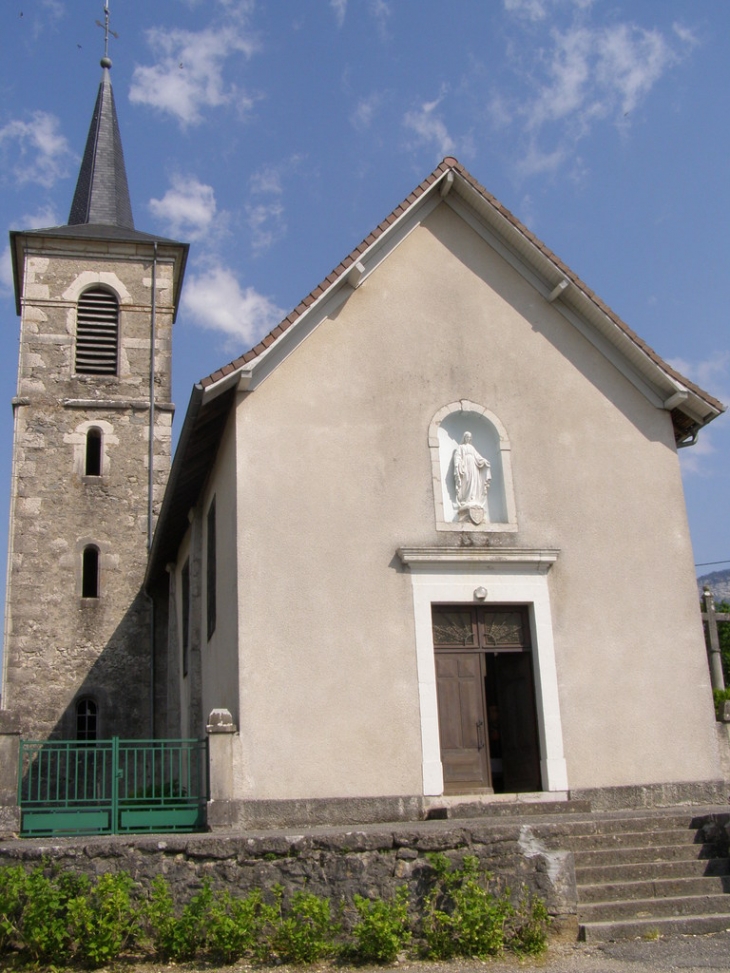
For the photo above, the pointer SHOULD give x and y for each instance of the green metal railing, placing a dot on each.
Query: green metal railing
(112, 786)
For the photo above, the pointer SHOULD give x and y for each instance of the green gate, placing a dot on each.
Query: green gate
(112, 786)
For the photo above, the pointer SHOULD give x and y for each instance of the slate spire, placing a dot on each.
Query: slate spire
(102, 193)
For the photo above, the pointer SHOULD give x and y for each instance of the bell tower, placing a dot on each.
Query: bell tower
(91, 454)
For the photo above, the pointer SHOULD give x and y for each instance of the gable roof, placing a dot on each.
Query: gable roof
(690, 407)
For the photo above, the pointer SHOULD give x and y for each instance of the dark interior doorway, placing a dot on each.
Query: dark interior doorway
(486, 699)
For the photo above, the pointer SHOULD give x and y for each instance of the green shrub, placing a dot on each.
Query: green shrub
(306, 933)
(383, 931)
(720, 696)
(172, 937)
(237, 927)
(13, 882)
(101, 921)
(43, 934)
(527, 929)
(462, 917)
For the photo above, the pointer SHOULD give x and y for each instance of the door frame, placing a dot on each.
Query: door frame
(483, 576)
(489, 656)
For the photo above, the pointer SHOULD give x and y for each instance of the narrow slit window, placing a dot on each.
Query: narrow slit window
(87, 715)
(211, 570)
(90, 573)
(97, 333)
(185, 583)
(92, 466)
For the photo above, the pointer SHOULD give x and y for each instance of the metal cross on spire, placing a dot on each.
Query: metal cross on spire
(106, 61)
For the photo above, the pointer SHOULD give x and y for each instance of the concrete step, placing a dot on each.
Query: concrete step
(653, 889)
(593, 857)
(653, 928)
(690, 905)
(634, 871)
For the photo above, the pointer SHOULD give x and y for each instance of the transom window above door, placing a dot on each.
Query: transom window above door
(458, 628)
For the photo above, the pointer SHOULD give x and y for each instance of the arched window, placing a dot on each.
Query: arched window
(90, 572)
(92, 464)
(87, 720)
(97, 332)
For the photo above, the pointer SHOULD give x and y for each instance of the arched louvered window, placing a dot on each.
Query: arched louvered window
(97, 332)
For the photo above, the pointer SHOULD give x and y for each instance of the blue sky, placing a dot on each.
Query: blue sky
(275, 135)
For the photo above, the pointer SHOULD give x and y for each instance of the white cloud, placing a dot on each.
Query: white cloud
(188, 76)
(266, 221)
(215, 300)
(539, 9)
(267, 180)
(6, 270)
(590, 74)
(42, 155)
(188, 208)
(381, 11)
(265, 209)
(695, 459)
(365, 111)
(429, 127)
(709, 373)
(340, 9)
(41, 218)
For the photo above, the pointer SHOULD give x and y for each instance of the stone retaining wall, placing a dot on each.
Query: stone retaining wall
(373, 861)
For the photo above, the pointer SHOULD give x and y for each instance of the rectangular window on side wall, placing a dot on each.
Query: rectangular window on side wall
(185, 599)
(210, 586)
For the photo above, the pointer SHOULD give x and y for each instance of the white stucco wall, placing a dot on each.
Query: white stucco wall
(334, 475)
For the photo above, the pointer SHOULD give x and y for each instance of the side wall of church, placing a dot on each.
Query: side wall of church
(338, 477)
(203, 650)
(59, 645)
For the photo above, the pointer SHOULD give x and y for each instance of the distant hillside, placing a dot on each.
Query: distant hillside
(719, 582)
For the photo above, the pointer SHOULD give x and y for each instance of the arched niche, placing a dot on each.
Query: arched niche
(489, 438)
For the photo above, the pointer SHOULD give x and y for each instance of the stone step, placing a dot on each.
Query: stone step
(502, 809)
(690, 905)
(653, 889)
(630, 839)
(648, 820)
(653, 928)
(660, 853)
(634, 871)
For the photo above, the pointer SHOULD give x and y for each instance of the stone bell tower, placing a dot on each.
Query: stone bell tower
(91, 455)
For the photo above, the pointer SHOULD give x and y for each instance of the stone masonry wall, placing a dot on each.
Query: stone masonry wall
(372, 861)
(60, 646)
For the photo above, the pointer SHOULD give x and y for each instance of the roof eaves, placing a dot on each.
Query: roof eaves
(583, 298)
(336, 278)
(531, 249)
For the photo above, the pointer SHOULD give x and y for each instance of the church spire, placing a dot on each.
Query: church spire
(102, 193)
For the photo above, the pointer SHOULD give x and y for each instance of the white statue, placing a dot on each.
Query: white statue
(472, 477)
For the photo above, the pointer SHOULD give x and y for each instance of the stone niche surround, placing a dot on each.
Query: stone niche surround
(490, 437)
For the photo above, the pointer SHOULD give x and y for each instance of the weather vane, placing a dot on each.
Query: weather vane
(106, 61)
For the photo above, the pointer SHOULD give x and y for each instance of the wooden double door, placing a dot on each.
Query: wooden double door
(486, 699)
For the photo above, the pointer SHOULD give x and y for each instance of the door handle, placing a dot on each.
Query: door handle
(480, 734)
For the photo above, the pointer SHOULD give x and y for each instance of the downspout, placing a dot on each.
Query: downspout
(151, 480)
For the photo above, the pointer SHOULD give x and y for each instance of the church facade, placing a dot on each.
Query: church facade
(427, 540)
